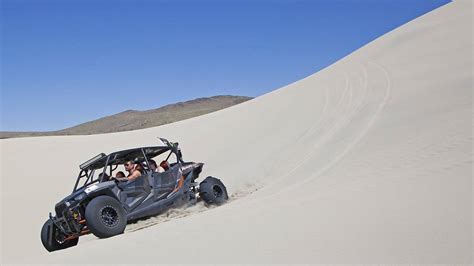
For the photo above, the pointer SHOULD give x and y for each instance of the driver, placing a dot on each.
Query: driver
(132, 170)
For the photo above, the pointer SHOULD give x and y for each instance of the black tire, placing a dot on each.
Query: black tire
(50, 235)
(213, 191)
(105, 217)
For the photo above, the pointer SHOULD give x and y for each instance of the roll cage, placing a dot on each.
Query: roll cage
(113, 160)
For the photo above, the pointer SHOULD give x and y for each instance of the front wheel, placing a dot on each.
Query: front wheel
(53, 239)
(213, 191)
(105, 217)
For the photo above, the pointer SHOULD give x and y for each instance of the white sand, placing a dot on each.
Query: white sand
(367, 161)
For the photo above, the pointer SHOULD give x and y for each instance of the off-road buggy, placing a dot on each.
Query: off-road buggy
(103, 205)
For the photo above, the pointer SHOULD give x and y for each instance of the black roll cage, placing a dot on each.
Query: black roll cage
(113, 160)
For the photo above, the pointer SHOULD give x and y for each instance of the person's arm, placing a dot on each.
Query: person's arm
(134, 175)
(119, 178)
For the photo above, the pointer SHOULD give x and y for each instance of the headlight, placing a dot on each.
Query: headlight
(91, 188)
(80, 197)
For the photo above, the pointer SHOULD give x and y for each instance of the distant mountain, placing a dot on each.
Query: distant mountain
(132, 119)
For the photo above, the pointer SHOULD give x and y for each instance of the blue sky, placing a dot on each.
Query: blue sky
(68, 62)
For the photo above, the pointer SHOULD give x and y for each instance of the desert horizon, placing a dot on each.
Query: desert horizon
(128, 120)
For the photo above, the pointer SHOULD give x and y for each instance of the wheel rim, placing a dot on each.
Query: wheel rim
(109, 216)
(217, 191)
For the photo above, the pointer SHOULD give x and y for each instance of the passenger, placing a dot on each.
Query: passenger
(133, 173)
(155, 168)
(165, 165)
(139, 167)
(120, 174)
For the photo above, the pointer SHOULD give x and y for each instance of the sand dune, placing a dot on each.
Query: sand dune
(366, 161)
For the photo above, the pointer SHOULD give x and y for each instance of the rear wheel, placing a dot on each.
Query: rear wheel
(105, 217)
(53, 239)
(213, 191)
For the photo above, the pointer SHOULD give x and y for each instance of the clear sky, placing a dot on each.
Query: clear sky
(67, 62)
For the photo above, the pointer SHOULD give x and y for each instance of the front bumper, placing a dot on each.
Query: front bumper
(66, 223)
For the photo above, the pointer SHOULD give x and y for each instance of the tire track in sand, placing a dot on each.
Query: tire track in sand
(351, 145)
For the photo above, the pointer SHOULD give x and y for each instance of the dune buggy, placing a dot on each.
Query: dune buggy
(103, 205)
